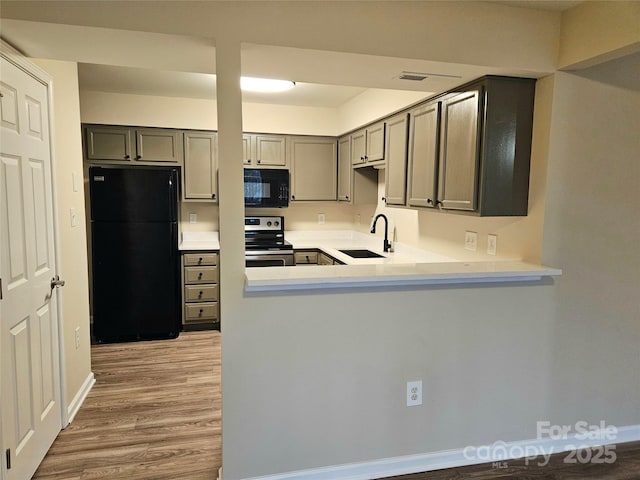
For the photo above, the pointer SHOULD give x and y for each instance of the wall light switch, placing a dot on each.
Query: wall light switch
(492, 244)
(321, 219)
(193, 218)
(471, 241)
(74, 217)
(75, 181)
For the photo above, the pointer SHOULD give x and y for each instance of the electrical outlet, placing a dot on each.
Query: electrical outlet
(471, 241)
(75, 181)
(358, 218)
(193, 218)
(492, 244)
(77, 338)
(414, 393)
(321, 219)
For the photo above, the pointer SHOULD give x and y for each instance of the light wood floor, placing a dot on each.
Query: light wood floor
(154, 413)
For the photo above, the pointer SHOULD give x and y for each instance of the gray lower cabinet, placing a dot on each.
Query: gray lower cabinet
(116, 144)
(200, 178)
(200, 290)
(396, 159)
(314, 257)
(314, 168)
(424, 131)
(485, 147)
(306, 257)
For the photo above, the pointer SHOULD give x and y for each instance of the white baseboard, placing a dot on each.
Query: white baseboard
(497, 452)
(79, 398)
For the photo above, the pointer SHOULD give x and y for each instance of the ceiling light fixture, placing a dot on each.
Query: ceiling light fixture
(250, 84)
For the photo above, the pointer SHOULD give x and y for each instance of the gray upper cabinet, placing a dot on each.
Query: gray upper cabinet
(115, 144)
(200, 166)
(345, 172)
(424, 129)
(396, 159)
(270, 150)
(313, 162)
(485, 146)
(105, 143)
(459, 152)
(358, 147)
(247, 152)
(375, 143)
(367, 145)
(158, 145)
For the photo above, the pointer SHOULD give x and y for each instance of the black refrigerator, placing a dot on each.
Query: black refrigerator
(135, 259)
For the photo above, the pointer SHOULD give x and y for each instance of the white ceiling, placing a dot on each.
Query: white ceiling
(176, 65)
(141, 81)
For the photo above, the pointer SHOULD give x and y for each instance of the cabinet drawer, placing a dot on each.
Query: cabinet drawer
(198, 312)
(201, 293)
(306, 258)
(200, 274)
(200, 259)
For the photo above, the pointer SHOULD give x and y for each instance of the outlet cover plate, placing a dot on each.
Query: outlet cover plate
(471, 241)
(414, 393)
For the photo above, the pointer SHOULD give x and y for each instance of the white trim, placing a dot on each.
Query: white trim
(80, 397)
(426, 462)
(16, 57)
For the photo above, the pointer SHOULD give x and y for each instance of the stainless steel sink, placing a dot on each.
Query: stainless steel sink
(362, 253)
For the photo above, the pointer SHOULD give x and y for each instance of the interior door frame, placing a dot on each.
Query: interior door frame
(13, 56)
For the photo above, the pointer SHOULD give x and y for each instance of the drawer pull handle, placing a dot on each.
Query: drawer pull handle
(200, 294)
(200, 275)
(200, 260)
(201, 311)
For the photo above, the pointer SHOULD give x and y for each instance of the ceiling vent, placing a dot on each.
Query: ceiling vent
(413, 76)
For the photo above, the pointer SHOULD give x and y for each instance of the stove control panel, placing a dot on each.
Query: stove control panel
(275, 223)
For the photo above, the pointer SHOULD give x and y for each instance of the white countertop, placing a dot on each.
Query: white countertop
(199, 241)
(405, 266)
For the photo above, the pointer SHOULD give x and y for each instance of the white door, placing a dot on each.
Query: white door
(31, 413)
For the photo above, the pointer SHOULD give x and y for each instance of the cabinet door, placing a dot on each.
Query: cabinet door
(345, 172)
(158, 145)
(375, 143)
(358, 147)
(108, 143)
(247, 153)
(459, 152)
(200, 166)
(396, 158)
(314, 168)
(270, 150)
(424, 127)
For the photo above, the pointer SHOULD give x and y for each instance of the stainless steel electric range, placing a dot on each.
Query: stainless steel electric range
(265, 245)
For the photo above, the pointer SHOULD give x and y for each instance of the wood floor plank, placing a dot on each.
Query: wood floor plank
(154, 413)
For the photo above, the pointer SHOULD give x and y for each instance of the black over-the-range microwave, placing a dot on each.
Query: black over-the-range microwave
(266, 188)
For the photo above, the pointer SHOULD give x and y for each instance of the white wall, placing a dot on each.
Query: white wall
(200, 114)
(373, 104)
(592, 232)
(73, 243)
